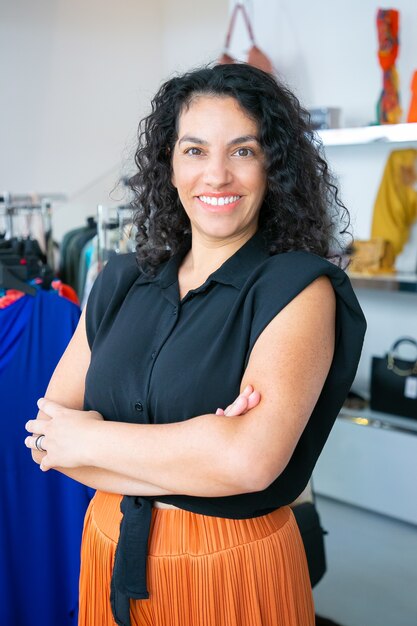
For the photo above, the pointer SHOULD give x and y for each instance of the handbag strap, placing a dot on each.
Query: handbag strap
(238, 7)
(391, 358)
(403, 340)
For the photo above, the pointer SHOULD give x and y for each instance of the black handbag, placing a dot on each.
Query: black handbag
(311, 532)
(394, 382)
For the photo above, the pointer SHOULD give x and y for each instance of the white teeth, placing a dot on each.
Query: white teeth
(218, 201)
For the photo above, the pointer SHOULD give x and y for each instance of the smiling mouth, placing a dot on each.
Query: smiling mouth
(219, 201)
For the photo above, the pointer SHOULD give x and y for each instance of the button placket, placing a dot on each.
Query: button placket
(171, 321)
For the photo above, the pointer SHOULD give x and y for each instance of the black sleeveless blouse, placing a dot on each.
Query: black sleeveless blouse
(158, 359)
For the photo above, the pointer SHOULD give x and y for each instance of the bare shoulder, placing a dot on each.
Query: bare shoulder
(312, 310)
(320, 293)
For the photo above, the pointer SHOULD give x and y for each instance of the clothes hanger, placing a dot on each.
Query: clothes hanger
(9, 280)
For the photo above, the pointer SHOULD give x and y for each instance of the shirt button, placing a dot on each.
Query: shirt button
(174, 311)
(153, 355)
(138, 406)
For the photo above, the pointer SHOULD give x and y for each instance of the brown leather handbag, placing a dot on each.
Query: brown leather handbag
(372, 256)
(256, 57)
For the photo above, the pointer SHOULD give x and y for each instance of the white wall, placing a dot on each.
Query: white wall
(76, 78)
(193, 33)
(326, 52)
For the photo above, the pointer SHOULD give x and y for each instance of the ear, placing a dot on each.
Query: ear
(172, 169)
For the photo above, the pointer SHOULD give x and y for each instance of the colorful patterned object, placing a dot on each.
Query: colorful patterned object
(388, 107)
(412, 113)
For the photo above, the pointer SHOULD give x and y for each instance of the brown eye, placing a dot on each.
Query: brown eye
(244, 152)
(193, 151)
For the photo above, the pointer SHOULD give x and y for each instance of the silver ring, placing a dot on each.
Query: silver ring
(38, 443)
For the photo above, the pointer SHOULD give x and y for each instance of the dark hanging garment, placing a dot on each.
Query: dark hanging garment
(71, 249)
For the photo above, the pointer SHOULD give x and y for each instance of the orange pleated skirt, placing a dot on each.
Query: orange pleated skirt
(201, 570)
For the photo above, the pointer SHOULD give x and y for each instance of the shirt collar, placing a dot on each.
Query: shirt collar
(234, 271)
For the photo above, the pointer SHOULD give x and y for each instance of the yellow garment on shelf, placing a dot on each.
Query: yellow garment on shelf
(395, 207)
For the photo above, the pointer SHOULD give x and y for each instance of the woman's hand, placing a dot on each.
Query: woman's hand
(64, 434)
(245, 401)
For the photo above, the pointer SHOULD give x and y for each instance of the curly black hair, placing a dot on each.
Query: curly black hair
(301, 209)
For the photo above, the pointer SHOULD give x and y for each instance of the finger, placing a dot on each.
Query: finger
(36, 427)
(219, 412)
(44, 465)
(243, 404)
(247, 391)
(30, 442)
(253, 400)
(53, 409)
(42, 416)
(238, 406)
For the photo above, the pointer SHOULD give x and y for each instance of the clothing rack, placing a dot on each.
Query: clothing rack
(115, 231)
(13, 205)
(29, 199)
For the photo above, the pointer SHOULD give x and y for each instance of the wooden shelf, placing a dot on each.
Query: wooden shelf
(367, 135)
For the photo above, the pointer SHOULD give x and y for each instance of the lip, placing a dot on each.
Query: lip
(218, 195)
(225, 208)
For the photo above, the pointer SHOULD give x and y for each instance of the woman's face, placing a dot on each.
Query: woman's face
(218, 168)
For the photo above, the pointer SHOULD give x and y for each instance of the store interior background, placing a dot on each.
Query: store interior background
(76, 78)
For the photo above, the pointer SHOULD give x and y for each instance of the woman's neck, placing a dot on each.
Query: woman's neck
(204, 258)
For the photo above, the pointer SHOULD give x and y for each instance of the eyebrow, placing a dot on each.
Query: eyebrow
(233, 142)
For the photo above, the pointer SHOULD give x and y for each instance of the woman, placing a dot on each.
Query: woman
(230, 297)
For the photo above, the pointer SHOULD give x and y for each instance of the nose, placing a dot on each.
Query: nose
(217, 172)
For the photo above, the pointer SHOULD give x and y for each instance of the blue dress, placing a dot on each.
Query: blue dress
(41, 514)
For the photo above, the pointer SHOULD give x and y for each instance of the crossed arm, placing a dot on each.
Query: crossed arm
(237, 451)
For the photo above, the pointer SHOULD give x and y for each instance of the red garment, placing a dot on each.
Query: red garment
(11, 296)
(65, 291)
